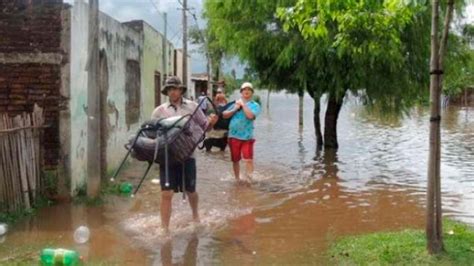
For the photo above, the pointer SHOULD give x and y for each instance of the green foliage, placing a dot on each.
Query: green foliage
(231, 84)
(257, 99)
(459, 66)
(12, 217)
(407, 247)
(379, 48)
(50, 181)
(210, 47)
(251, 31)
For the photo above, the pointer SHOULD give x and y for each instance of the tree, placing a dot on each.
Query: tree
(211, 49)
(279, 59)
(459, 72)
(360, 45)
(434, 230)
(329, 47)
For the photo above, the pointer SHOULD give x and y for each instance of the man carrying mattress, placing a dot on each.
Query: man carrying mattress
(178, 106)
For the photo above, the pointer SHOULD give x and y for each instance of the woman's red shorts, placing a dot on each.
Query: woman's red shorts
(241, 149)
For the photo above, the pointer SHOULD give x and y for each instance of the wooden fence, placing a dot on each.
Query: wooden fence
(20, 160)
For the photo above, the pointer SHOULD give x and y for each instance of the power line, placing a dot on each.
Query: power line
(163, 16)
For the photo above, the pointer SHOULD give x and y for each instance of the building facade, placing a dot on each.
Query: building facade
(43, 60)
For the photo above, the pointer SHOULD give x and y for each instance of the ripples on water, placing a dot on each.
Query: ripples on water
(373, 153)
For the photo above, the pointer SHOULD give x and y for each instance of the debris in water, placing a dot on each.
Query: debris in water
(126, 188)
(3, 229)
(82, 234)
(59, 256)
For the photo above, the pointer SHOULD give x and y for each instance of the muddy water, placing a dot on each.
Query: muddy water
(299, 202)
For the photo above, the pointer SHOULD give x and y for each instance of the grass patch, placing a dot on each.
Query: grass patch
(407, 247)
(107, 189)
(14, 216)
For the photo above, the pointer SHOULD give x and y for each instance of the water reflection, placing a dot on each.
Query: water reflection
(326, 164)
(189, 257)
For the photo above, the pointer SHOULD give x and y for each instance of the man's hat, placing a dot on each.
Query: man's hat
(173, 82)
(246, 85)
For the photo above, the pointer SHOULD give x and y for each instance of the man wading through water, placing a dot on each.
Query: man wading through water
(178, 106)
(241, 126)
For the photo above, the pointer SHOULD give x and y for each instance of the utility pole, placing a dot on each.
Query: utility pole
(208, 70)
(185, 43)
(93, 103)
(165, 48)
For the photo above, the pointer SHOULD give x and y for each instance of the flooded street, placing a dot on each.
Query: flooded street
(299, 203)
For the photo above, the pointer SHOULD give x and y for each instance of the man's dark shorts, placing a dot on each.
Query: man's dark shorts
(175, 176)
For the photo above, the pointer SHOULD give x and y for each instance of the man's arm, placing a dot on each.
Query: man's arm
(212, 120)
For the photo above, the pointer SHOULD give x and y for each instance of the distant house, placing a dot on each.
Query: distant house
(199, 81)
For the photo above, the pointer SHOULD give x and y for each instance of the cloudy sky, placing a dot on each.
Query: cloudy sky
(152, 12)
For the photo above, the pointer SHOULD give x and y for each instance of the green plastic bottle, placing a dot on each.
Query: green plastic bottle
(126, 188)
(50, 256)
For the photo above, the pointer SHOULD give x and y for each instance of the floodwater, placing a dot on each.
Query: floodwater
(300, 200)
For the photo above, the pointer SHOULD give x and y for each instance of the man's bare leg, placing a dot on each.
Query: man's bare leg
(165, 209)
(193, 202)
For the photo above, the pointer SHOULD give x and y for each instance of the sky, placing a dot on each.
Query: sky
(151, 11)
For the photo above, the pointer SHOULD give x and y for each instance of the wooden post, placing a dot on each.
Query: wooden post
(21, 159)
(93, 104)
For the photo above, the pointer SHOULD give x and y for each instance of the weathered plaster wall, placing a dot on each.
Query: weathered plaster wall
(153, 62)
(119, 44)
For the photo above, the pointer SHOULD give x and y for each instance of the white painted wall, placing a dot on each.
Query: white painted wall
(120, 43)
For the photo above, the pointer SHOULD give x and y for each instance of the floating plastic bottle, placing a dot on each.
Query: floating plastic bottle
(3, 229)
(50, 256)
(82, 234)
(126, 188)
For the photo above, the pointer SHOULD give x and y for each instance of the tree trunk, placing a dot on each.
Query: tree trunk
(316, 118)
(268, 99)
(330, 122)
(300, 108)
(317, 122)
(433, 202)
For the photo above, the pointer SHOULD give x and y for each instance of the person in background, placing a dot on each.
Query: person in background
(241, 139)
(203, 97)
(220, 99)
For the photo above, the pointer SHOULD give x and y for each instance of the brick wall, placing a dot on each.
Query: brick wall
(30, 33)
(30, 28)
